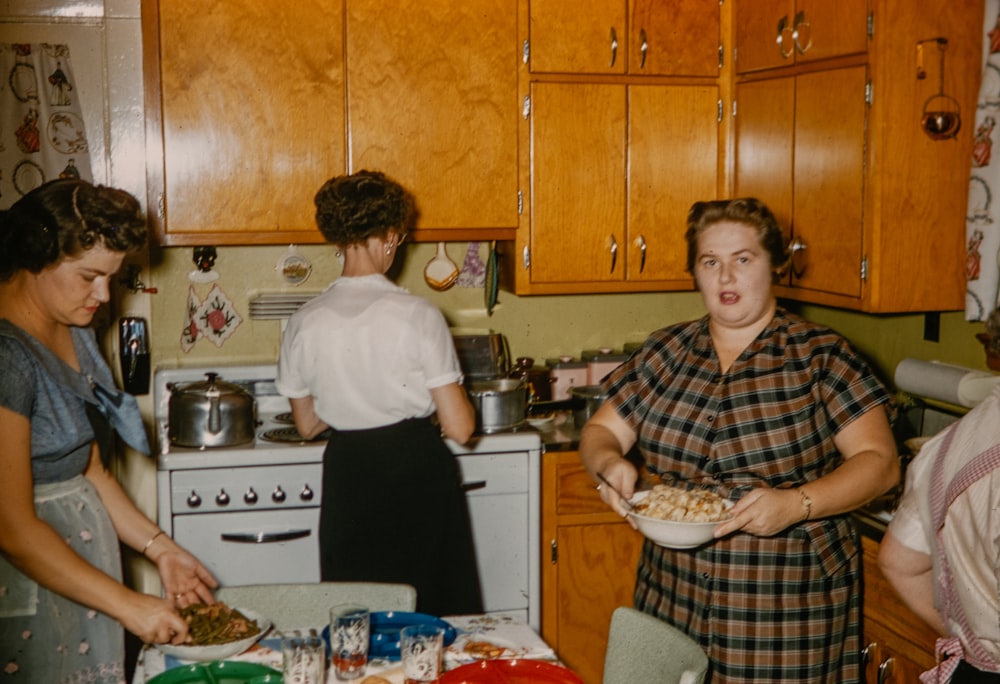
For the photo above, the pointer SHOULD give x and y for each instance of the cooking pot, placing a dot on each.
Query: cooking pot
(589, 399)
(211, 413)
(500, 404)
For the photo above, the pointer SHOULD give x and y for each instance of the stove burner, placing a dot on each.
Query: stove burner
(284, 418)
(290, 435)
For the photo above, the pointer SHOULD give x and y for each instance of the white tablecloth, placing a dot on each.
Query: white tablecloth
(501, 637)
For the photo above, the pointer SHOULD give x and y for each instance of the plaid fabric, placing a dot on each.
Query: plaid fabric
(777, 609)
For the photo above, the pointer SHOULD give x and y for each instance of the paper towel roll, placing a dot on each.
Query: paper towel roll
(956, 385)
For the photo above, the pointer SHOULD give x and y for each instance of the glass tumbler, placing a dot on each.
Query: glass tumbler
(350, 625)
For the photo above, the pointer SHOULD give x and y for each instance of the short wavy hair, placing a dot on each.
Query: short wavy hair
(64, 218)
(350, 209)
(749, 211)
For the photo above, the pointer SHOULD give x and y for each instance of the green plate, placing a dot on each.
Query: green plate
(220, 672)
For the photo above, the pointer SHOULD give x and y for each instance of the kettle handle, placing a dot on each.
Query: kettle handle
(214, 405)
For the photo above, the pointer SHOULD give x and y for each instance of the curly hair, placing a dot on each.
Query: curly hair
(64, 218)
(350, 209)
(746, 210)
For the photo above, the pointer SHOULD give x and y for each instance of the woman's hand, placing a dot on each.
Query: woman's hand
(185, 580)
(764, 512)
(622, 476)
(154, 620)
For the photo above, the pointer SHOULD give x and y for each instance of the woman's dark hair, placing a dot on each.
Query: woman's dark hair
(350, 209)
(65, 218)
(746, 210)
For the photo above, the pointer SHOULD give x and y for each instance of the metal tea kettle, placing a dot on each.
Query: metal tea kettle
(211, 413)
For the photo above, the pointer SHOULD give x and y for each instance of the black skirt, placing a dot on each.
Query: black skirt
(393, 510)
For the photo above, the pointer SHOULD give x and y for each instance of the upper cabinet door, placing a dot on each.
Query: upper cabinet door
(657, 38)
(674, 37)
(775, 33)
(583, 36)
(432, 100)
(251, 102)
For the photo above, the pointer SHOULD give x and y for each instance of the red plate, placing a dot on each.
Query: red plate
(514, 671)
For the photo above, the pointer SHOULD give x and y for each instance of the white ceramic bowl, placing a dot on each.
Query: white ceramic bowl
(219, 651)
(673, 535)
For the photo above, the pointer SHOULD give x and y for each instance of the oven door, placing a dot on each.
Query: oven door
(254, 547)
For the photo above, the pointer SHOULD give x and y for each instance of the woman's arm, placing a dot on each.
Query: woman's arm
(33, 547)
(870, 468)
(455, 412)
(185, 580)
(306, 421)
(604, 441)
(911, 574)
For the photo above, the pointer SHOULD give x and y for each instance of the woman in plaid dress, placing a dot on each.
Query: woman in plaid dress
(776, 413)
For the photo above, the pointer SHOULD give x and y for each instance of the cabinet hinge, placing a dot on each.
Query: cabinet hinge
(526, 257)
(722, 55)
(721, 111)
(864, 269)
(869, 93)
(525, 51)
(554, 552)
(520, 202)
(871, 25)
(526, 107)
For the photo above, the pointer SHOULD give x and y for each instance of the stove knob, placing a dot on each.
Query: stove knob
(194, 500)
(278, 495)
(250, 497)
(222, 498)
(306, 494)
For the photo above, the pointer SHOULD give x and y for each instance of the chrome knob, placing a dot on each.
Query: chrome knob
(222, 498)
(278, 495)
(250, 497)
(307, 493)
(193, 500)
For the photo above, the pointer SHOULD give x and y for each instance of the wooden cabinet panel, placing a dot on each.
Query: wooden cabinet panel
(673, 139)
(589, 562)
(775, 33)
(578, 182)
(660, 38)
(674, 37)
(829, 180)
(432, 99)
(248, 132)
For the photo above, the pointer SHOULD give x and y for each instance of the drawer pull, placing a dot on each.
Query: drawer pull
(471, 486)
(264, 537)
(886, 670)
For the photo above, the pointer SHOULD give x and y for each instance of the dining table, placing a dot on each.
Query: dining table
(495, 637)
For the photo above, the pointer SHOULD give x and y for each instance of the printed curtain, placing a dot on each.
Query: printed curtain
(982, 230)
(42, 135)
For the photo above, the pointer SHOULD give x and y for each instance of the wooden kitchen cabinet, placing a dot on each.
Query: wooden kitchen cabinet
(432, 100)
(241, 138)
(835, 147)
(637, 37)
(899, 645)
(608, 204)
(589, 560)
(774, 33)
(245, 118)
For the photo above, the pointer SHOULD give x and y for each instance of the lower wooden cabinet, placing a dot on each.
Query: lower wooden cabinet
(589, 558)
(898, 644)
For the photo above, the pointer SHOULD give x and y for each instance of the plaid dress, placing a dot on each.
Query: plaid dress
(775, 609)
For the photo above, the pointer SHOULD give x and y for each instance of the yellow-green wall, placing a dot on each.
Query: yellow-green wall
(539, 327)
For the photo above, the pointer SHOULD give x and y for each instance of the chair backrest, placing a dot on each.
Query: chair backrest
(290, 606)
(642, 648)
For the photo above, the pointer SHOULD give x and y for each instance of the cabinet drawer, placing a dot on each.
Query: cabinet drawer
(494, 474)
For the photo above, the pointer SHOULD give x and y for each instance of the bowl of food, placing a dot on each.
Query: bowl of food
(217, 632)
(678, 518)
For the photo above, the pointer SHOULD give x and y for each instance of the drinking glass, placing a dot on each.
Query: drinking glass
(350, 625)
(422, 649)
(303, 660)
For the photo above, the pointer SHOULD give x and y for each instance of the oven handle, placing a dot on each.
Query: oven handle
(264, 537)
